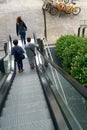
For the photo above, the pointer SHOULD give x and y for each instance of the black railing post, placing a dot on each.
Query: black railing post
(10, 39)
(45, 28)
(2, 68)
(83, 31)
(5, 48)
(79, 31)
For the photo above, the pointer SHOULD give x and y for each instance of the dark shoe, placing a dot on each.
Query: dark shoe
(22, 70)
(32, 66)
(19, 71)
(46, 64)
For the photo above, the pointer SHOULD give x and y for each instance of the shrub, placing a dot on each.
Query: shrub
(68, 54)
(79, 66)
(73, 53)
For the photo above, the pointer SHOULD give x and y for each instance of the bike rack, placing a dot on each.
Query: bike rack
(81, 29)
(45, 26)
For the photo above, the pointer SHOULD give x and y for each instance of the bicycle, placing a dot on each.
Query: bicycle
(49, 3)
(67, 8)
(65, 1)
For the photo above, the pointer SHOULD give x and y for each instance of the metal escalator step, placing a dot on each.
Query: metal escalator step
(24, 94)
(24, 118)
(24, 99)
(27, 86)
(37, 125)
(22, 104)
(22, 113)
(24, 108)
(23, 83)
(19, 114)
(35, 91)
(30, 78)
(25, 89)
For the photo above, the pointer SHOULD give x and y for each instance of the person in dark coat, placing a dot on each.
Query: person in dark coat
(21, 29)
(17, 51)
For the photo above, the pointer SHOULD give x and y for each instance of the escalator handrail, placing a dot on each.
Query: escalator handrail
(8, 79)
(9, 41)
(82, 90)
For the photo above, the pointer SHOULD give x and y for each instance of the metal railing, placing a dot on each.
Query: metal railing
(7, 74)
(82, 28)
(70, 95)
(6, 62)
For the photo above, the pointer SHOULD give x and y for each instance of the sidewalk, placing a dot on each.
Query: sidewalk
(32, 14)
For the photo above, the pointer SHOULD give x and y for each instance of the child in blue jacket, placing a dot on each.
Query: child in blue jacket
(17, 51)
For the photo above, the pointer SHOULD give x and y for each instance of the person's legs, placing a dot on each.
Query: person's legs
(24, 38)
(21, 36)
(32, 66)
(32, 62)
(20, 66)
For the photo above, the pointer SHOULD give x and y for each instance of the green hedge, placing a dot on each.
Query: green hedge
(73, 53)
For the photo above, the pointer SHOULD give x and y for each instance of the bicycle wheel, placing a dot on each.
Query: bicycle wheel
(76, 10)
(66, 1)
(53, 11)
(48, 7)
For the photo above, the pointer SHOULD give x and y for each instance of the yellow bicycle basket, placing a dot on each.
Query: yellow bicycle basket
(68, 8)
(60, 6)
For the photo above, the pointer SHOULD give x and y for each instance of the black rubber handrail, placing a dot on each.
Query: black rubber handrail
(7, 83)
(53, 105)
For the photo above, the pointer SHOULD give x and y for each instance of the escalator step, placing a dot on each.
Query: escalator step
(24, 118)
(24, 91)
(21, 108)
(25, 99)
(37, 125)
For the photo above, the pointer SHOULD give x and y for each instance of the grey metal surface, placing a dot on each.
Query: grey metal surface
(25, 107)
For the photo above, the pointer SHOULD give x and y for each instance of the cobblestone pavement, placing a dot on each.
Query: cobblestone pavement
(32, 14)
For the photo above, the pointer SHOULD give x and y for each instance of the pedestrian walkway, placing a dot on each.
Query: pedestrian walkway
(32, 14)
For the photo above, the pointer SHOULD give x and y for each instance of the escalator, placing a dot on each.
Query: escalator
(46, 98)
(70, 95)
(25, 105)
